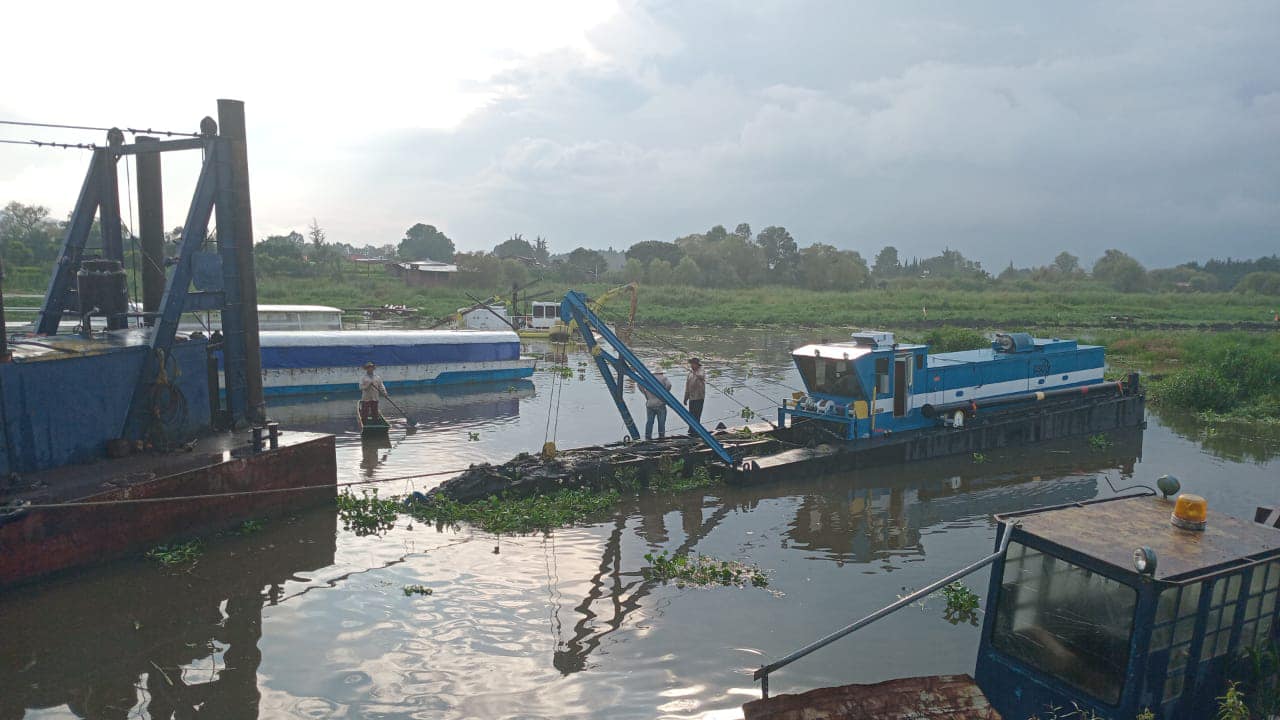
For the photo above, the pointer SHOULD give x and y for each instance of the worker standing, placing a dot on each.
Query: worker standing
(695, 391)
(371, 388)
(655, 408)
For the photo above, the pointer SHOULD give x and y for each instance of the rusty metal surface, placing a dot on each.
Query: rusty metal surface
(1111, 530)
(936, 696)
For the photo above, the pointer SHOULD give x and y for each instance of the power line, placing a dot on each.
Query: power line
(44, 143)
(132, 131)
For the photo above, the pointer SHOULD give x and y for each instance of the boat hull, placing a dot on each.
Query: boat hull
(310, 381)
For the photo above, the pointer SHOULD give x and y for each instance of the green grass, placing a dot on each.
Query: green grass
(367, 514)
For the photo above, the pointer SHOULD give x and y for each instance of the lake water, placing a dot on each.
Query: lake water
(303, 619)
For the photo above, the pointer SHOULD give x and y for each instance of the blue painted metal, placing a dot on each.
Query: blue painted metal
(70, 405)
(64, 271)
(1039, 364)
(574, 309)
(172, 305)
(1165, 635)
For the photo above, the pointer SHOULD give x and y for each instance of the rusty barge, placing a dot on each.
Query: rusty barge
(107, 436)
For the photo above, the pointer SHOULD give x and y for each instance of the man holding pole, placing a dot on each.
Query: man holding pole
(371, 388)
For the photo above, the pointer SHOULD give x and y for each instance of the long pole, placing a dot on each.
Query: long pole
(231, 125)
(150, 225)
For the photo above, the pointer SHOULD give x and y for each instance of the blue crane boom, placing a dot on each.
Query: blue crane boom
(613, 368)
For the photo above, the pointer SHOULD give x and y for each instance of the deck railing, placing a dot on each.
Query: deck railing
(763, 673)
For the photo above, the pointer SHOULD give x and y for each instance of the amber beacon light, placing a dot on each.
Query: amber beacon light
(1190, 512)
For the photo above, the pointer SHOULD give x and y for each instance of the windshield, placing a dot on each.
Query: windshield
(1066, 621)
(829, 377)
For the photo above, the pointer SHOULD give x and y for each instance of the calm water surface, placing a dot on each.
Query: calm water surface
(303, 619)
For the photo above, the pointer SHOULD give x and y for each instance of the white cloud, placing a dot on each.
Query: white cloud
(1006, 130)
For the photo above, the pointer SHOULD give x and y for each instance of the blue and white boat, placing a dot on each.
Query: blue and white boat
(872, 385)
(306, 362)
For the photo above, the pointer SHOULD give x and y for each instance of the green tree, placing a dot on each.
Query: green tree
(780, 250)
(660, 272)
(31, 226)
(541, 253)
(586, 264)
(17, 253)
(425, 242)
(1120, 271)
(743, 231)
(633, 271)
(685, 273)
(1263, 283)
(823, 267)
(1067, 265)
(515, 247)
(649, 250)
(717, 234)
(887, 264)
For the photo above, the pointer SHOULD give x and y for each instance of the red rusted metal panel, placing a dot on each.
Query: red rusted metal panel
(43, 541)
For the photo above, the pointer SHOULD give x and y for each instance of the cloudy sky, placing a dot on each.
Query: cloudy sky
(1008, 130)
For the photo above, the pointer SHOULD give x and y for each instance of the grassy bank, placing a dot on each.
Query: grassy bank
(779, 306)
(1218, 376)
(902, 308)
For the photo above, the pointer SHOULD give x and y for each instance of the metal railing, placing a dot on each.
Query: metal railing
(763, 673)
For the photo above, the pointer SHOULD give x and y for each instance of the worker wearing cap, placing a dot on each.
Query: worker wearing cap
(695, 390)
(655, 408)
(371, 388)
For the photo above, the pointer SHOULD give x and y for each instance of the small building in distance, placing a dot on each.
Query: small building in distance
(423, 273)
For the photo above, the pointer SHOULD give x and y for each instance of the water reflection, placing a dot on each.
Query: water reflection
(1238, 442)
(136, 638)
(431, 407)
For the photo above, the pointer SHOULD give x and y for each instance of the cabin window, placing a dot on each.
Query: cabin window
(920, 361)
(829, 377)
(1260, 606)
(1066, 621)
(1176, 615)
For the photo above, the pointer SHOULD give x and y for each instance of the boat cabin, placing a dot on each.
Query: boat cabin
(274, 318)
(1107, 604)
(873, 385)
(543, 315)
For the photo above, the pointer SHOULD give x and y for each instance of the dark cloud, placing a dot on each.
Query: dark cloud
(1007, 130)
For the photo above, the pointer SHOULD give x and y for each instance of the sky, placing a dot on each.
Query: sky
(1006, 130)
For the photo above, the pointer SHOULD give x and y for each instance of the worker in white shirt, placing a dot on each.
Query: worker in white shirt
(371, 388)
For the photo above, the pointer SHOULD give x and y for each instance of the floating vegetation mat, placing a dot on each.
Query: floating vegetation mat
(702, 571)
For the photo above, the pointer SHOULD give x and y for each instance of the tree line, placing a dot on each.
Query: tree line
(718, 257)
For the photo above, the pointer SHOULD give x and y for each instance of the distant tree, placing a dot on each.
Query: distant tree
(515, 247)
(951, 264)
(586, 264)
(541, 253)
(17, 253)
(887, 264)
(743, 231)
(1120, 271)
(748, 260)
(685, 273)
(649, 250)
(633, 271)
(659, 272)
(1263, 283)
(716, 234)
(425, 242)
(316, 234)
(780, 251)
(34, 229)
(823, 267)
(1067, 265)
(291, 246)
